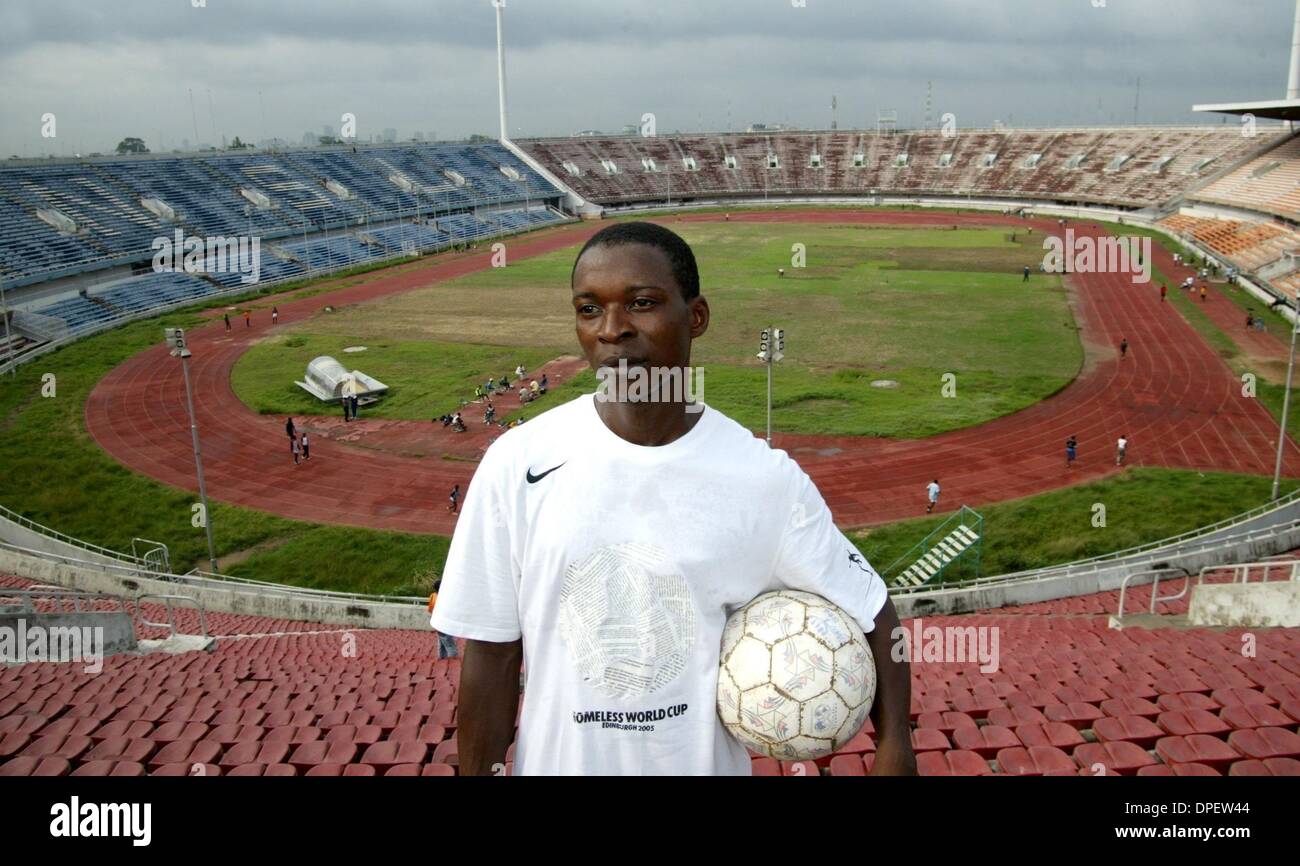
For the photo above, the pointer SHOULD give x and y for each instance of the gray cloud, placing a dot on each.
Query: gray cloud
(126, 67)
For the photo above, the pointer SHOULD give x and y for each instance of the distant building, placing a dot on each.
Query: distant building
(310, 138)
(390, 136)
(588, 133)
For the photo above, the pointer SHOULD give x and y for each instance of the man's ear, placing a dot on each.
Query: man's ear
(699, 316)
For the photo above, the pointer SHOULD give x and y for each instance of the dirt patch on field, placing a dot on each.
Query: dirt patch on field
(224, 562)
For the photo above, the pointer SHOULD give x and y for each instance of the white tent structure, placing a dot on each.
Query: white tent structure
(328, 380)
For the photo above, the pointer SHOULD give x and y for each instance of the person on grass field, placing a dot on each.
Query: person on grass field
(604, 547)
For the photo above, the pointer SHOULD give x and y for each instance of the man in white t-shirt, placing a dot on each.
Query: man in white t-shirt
(604, 547)
(932, 493)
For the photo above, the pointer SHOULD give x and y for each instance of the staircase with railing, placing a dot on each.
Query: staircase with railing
(959, 538)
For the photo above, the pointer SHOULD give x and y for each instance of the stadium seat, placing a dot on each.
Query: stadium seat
(25, 765)
(1138, 730)
(1263, 743)
(109, 768)
(929, 740)
(1055, 734)
(1035, 761)
(1078, 714)
(985, 742)
(1267, 767)
(1197, 748)
(1121, 756)
(847, 765)
(957, 762)
(1178, 770)
(186, 770)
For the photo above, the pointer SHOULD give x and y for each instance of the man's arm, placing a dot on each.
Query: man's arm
(893, 704)
(489, 703)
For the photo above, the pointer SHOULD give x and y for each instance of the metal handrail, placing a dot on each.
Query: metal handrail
(1245, 567)
(170, 624)
(1156, 572)
(59, 595)
(40, 528)
(157, 546)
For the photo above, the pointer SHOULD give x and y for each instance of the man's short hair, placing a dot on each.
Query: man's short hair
(678, 252)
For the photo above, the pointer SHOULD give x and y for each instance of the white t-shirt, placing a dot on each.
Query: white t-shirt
(933, 490)
(1122, 443)
(618, 564)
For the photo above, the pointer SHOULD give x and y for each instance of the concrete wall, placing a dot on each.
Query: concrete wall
(117, 635)
(20, 536)
(235, 599)
(1257, 605)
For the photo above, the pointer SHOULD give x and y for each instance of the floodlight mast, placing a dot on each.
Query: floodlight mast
(176, 339)
(771, 349)
(501, 70)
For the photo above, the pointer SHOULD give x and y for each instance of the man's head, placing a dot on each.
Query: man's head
(636, 296)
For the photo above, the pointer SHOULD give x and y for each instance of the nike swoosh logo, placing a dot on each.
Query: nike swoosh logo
(533, 479)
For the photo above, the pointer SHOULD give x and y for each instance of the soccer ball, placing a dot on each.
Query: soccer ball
(797, 676)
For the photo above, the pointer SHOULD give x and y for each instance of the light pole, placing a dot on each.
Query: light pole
(9, 340)
(1286, 405)
(176, 339)
(769, 354)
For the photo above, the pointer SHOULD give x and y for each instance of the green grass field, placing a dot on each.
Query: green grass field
(51, 471)
(902, 304)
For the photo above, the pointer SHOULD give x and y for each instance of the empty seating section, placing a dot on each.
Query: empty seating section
(338, 251)
(1248, 245)
(408, 236)
(205, 202)
(80, 313)
(151, 290)
(1133, 167)
(29, 246)
(104, 214)
(304, 190)
(1268, 183)
(1069, 696)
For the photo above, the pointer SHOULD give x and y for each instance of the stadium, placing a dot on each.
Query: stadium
(265, 615)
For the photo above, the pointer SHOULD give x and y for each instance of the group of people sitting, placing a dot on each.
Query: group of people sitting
(453, 421)
(534, 390)
(484, 393)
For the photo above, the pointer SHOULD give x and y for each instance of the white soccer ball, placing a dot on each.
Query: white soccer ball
(797, 677)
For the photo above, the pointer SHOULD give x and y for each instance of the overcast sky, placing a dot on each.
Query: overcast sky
(260, 68)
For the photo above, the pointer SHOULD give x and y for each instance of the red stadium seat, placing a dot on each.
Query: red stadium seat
(1197, 748)
(1119, 756)
(985, 742)
(1035, 761)
(1263, 743)
(1267, 767)
(1134, 729)
(1178, 770)
(847, 765)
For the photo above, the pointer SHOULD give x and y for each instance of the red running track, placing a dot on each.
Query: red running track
(1177, 401)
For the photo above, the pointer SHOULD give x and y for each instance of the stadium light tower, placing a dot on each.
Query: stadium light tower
(771, 349)
(501, 70)
(1293, 80)
(176, 339)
